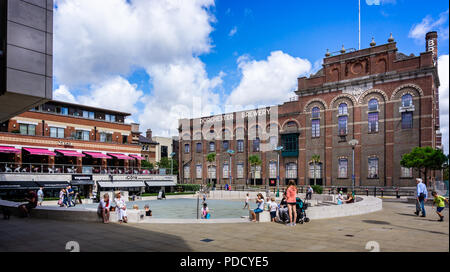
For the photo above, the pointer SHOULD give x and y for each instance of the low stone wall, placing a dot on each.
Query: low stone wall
(71, 214)
(367, 204)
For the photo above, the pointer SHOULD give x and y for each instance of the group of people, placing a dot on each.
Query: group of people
(68, 197)
(288, 202)
(422, 196)
(105, 207)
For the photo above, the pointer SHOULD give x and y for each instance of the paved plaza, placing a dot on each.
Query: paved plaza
(395, 228)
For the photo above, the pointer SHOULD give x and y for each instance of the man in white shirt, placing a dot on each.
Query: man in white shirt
(421, 196)
(121, 208)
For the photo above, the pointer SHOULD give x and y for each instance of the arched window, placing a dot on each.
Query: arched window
(187, 171)
(343, 109)
(406, 100)
(315, 170)
(315, 112)
(343, 168)
(211, 172)
(373, 104)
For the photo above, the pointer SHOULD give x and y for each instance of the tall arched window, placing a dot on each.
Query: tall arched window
(373, 104)
(406, 100)
(291, 170)
(315, 112)
(343, 109)
(315, 122)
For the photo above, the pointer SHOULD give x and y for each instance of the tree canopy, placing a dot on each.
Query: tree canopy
(424, 159)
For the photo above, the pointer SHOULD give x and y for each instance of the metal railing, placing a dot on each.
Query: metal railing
(43, 168)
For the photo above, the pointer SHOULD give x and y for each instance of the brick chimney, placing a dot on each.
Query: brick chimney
(431, 44)
(148, 134)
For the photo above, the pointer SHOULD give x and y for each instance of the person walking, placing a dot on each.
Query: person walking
(421, 197)
(40, 195)
(247, 199)
(309, 192)
(291, 194)
(121, 208)
(70, 196)
(440, 204)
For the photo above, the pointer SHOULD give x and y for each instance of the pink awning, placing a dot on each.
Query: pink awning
(97, 155)
(39, 151)
(70, 153)
(9, 149)
(137, 157)
(120, 156)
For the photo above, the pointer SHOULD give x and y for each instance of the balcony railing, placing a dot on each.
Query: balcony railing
(43, 168)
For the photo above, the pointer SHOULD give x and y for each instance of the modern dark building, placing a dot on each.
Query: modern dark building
(26, 49)
(384, 99)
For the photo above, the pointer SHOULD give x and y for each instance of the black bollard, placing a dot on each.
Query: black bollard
(375, 192)
(396, 193)
(367, 192)
(382, 192)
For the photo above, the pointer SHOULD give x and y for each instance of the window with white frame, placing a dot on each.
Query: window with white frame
(272, 170)
(315, 169)
(198, 170)
(373, 167)
(187, 171)
(226, 170)
(291, 170)
(343, 168)
(56, 132)
(211, 172)
(240, 170)
(406, 172)
(343, 109)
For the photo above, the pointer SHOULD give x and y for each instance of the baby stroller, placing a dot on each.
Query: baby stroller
(301, 211)
(301, 206)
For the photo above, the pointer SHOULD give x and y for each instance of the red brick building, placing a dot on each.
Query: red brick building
(64, 137)
(384, 99)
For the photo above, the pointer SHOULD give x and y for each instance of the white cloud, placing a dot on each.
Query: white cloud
(380, 2)
(63, 94)
(427, 24)
(232, 31)
(97, 43)
(443, 70)
(181, 90)
(268, 82)
(97, 39)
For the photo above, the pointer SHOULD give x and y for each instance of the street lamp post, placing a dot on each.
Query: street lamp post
(230, 152)
(278, 149)
(353, 143)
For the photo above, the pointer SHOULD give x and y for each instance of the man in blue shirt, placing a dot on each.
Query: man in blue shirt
(421, 196)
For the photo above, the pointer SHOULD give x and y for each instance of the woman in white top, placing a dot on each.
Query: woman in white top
(121, 208)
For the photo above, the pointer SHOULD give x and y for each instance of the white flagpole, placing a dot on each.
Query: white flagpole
(359, 24)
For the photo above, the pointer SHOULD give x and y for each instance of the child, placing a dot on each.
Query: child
(247, 199)
(269, 200)
(205, 211)
(273, 207)
(440, 203)
(148, 212)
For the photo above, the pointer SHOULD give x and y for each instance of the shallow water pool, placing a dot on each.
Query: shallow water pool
(185, 208)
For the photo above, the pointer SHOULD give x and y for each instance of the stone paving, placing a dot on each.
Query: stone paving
(395, 228)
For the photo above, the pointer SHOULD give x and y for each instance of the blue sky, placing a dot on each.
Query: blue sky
(144, 56)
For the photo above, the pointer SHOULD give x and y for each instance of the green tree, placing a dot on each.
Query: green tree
(424, 159)
(254, 160)
(211, 157)
(315, 159)
(146, 164)
(167, 164)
